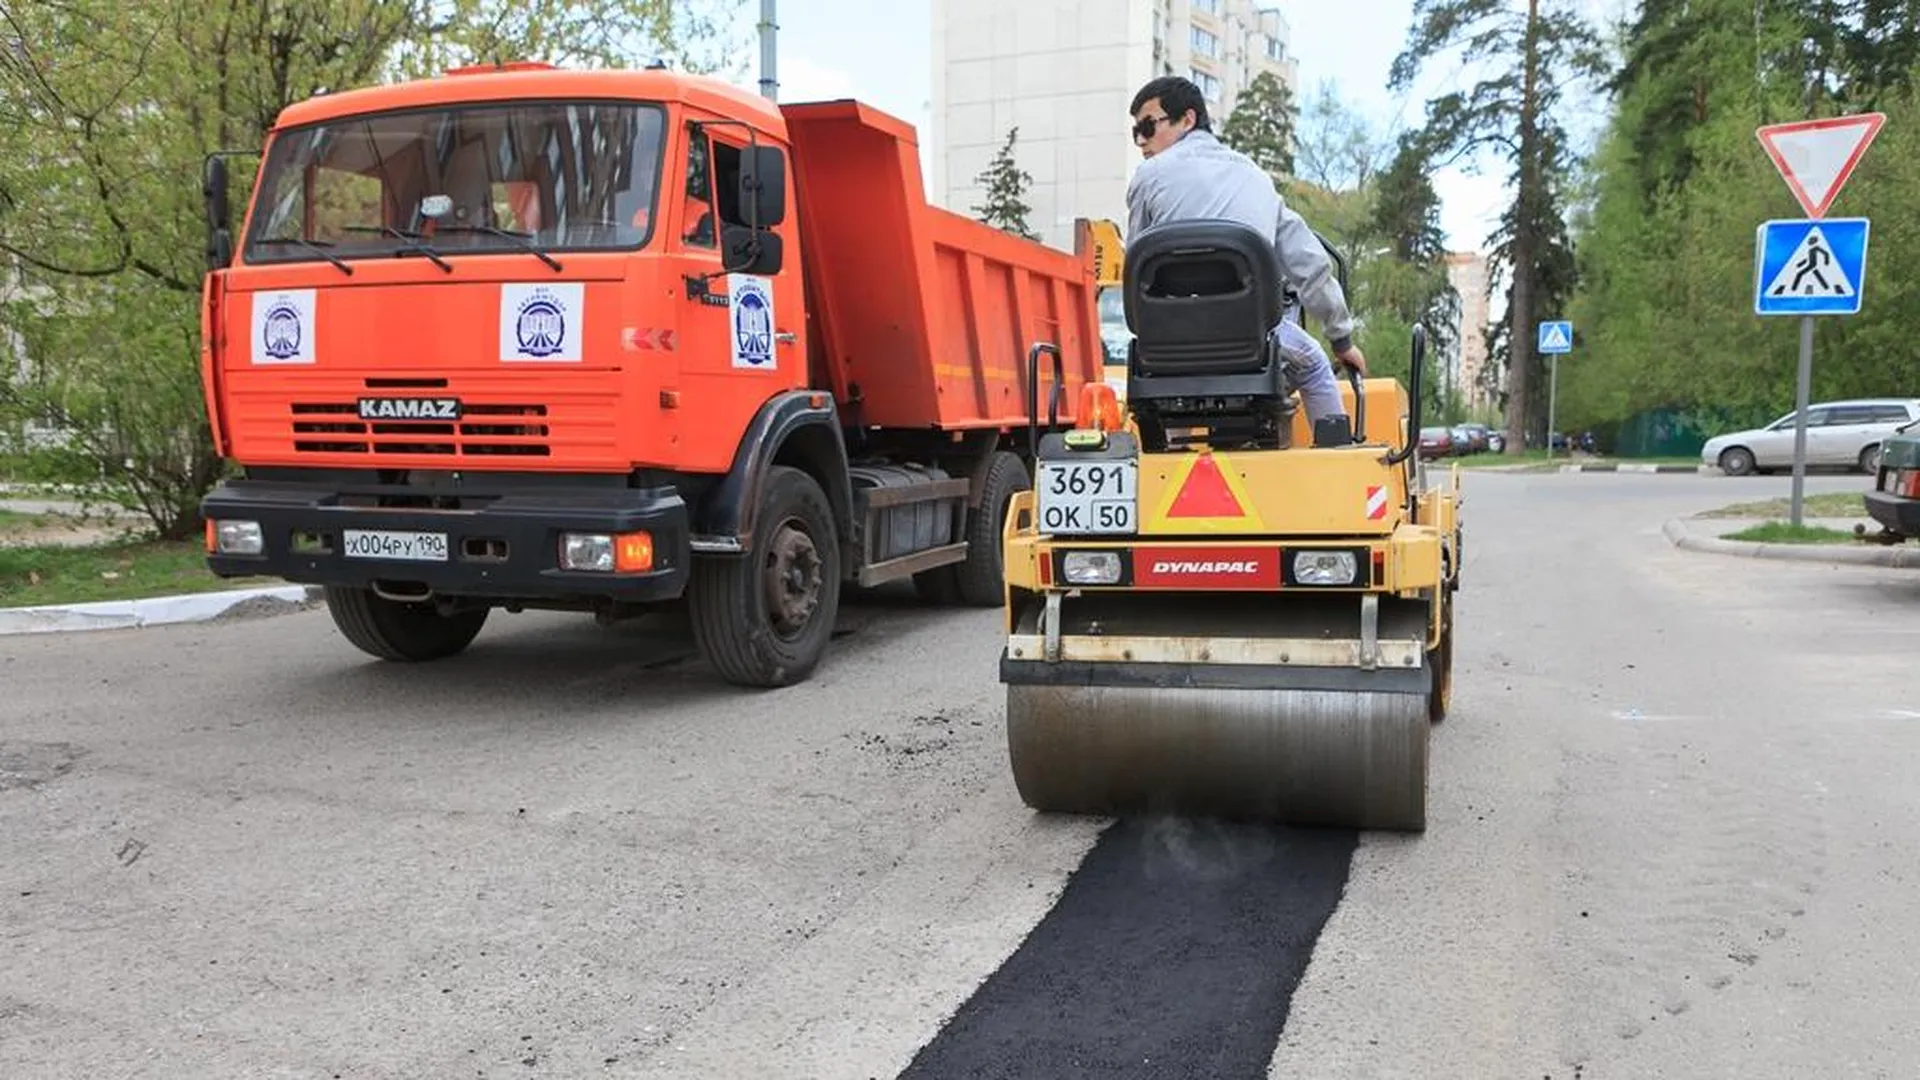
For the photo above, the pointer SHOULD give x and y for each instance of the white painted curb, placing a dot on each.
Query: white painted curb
(153, 611)
(1631, 467)
(1902, 557)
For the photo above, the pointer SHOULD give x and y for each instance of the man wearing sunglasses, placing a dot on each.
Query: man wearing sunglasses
(1189, 173)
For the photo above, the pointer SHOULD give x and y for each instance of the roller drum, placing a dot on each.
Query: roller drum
(1309, 757)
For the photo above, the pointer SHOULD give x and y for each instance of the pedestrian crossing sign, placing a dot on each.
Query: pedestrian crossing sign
(1810, 267)
(1555, 338)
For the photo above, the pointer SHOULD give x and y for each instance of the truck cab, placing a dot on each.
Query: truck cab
(520, 337)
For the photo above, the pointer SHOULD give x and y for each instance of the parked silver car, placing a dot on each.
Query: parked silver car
(1839, 433)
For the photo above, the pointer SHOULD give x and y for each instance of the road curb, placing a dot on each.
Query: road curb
(1689, 470)
(1901, 557)
(151, 611)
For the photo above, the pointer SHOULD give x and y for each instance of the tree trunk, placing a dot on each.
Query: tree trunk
(1520, 318)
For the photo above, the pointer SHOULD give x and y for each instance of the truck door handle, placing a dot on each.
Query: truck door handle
(784, 337)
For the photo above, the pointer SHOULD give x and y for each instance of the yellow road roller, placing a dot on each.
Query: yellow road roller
(1210, 609)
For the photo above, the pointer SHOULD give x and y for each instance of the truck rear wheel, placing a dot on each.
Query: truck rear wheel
(764, 619)
(980, 580)
(401, 631)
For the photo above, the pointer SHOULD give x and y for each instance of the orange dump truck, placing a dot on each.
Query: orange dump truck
(526, 338)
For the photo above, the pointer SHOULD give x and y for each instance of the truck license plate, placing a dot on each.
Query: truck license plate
(404, 546)
(1088, 497)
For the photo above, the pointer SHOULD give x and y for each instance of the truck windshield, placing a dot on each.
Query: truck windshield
(488, 178)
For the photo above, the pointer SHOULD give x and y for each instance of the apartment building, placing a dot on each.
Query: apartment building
(1064, 72)
(1469, 274)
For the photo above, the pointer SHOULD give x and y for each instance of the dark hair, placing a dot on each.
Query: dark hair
(1176, 95)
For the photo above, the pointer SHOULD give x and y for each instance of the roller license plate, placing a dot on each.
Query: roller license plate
(1088, 497)
(397, 546)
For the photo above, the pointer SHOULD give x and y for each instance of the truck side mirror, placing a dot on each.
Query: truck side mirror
(763, 185)
(219, 235)
(751, 251)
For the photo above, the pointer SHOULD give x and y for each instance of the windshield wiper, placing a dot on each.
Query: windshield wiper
(524, 239)
(317, 246)
(412, 239)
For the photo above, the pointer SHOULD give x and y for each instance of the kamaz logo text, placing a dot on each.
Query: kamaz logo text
(1239, 567)
(409, 408)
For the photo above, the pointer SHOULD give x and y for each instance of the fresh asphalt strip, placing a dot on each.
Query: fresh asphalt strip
(1173, 951)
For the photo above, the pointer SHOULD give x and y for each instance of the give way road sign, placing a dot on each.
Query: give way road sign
(1816, 157)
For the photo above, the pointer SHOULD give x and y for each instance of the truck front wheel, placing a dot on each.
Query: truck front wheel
(764, 619)
(395, 630)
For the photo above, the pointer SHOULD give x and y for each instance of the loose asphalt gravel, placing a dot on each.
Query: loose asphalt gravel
(1671, 834)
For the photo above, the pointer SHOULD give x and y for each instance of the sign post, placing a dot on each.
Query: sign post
(1555, 338)
(1812, 266)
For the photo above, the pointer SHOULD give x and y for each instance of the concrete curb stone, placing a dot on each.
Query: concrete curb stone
(1903, 556)
(1630, 467)
(151, 611)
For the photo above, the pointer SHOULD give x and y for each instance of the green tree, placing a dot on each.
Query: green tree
(1004, 205)
(1410, 280)
(1334, 145)
(1261, 125)
(107, 111)
(1512, 110)
(1665, 293)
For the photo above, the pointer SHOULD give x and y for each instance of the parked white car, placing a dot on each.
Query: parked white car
(1839, 433)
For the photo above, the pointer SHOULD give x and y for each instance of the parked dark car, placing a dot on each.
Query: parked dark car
(1435, 442)
(1894, 501)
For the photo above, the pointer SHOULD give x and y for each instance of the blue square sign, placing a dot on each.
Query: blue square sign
(1555, 337)
(1810, 267)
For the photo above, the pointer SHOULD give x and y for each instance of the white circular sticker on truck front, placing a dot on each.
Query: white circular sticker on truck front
(283, 327)
(542, 322)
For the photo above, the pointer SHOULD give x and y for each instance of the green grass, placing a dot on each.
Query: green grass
(1785, 532)
(1538, 459)
(1488, 459)
(71, 575)
(1831, 504)
(15, 521)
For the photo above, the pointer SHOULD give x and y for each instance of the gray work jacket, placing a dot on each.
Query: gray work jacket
(1202, 177)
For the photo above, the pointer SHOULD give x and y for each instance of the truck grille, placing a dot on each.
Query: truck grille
(484, 430)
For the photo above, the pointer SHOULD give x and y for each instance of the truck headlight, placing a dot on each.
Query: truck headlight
(239, 538)
(1090, 567)
(607, 553)
(1324, 567)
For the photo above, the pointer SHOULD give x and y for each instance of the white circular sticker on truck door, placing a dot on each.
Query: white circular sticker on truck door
(750, 318)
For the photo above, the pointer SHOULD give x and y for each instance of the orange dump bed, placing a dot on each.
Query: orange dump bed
(923, 318)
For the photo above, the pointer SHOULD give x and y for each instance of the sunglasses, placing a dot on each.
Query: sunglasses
(1145, 126)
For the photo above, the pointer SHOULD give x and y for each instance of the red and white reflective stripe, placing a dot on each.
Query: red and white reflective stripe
(1376, 503)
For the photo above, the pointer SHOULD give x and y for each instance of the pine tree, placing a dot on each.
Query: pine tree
(1512, 108)
(1261, 125)
(1006, 184)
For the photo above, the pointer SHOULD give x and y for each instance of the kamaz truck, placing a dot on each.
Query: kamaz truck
(520, 338)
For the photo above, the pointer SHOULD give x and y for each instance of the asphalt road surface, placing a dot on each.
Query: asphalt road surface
(1672, 834)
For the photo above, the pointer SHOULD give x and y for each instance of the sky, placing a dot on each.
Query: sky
(836, 48)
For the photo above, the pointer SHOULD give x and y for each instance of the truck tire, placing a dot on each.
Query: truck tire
(981, 579)
(399, 631)
(764, 619)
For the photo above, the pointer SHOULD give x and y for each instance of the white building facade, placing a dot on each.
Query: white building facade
(1469, 273)
(1064, 72)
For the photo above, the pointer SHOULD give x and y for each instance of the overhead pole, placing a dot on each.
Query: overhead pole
(769, 83)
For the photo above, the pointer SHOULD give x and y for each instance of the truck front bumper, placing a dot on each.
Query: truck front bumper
(508, 547)
(1895, 513)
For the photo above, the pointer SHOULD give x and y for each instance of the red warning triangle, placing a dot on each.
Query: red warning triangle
(1205, 494)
